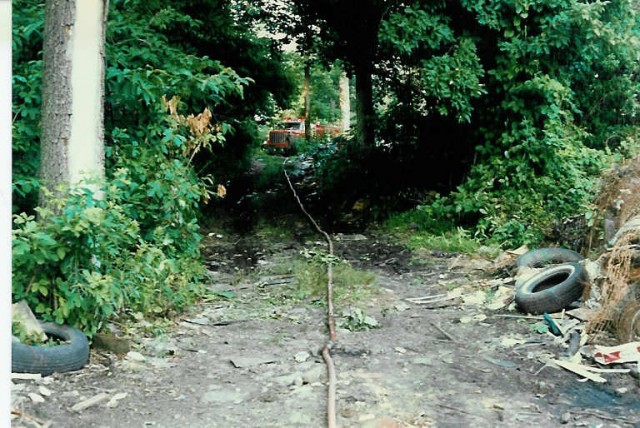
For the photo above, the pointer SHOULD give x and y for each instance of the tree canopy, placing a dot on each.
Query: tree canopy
(493, 116)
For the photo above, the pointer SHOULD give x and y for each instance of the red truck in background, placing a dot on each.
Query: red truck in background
(291, 131)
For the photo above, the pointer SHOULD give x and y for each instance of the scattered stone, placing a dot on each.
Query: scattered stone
(313, 375)
(304, 393)
(366, 417)
(383, 422)
(132, 366)
(472, 318)
(476, 298)
(15, 387)
(290, 379)
(113, 402)
(301, 357)
(136, 356)
(566, 418)
(43, 390)
(422, 361)
(509, 342)
(401, 307)
(36, 398)
(223, 396)
(160, 363)
(347, 412)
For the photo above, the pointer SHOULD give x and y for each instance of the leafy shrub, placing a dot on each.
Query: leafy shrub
(555, 94)
(27, 40)
(85, 262)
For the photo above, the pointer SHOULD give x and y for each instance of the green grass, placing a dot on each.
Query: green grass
(421, 228)
(350, 285)
(456, 241)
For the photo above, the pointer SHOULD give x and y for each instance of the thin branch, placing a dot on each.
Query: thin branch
(326, 351)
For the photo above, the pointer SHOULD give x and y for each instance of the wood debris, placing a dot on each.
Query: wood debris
(85, 404)
(586, 371)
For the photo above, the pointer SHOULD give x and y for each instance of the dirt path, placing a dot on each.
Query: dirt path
(254, 360)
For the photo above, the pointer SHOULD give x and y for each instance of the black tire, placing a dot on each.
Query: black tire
(552, 289)
(544, 256)
(49, 359)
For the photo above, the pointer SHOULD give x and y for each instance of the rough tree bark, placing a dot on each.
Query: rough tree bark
(72, 140)
(345, 103)
(307, 98)
(353, 28)
(364, 105)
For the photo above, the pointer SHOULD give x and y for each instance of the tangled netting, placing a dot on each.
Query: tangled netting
(619, 289)
(619, 205)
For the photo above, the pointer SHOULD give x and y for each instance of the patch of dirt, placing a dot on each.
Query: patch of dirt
(253, 360)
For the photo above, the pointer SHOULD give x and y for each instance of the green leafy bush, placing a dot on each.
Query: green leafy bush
(556, 94)
(136, 250)
(27, 40)
(84, 262)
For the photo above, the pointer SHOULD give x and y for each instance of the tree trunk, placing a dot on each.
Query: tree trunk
(72, 141)
(307, 99)
(345, 103)
(364, 106)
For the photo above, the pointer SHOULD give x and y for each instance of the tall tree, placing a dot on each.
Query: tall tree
(350, 32)
(72, 141)
(345, 104)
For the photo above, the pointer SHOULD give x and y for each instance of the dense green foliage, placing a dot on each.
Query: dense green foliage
(27, 39)
(139, 247)
(509, 108)
(324, 89)
(496, 116)
(88, 263)
(537, 125)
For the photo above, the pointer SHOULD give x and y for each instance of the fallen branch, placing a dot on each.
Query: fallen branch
(89, 402)
(429, 299)
(606, 418)
(326, 351)
(526, 317)
(15, 413)
(441, 330)
(445, 406)
(443, 305)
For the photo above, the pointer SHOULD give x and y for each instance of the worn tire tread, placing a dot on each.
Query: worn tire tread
(46, 360)
(543, 256)
(556, 297)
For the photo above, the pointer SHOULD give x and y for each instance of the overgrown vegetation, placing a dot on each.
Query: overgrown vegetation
(491, 119)
(507, 110)
(136, 250)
